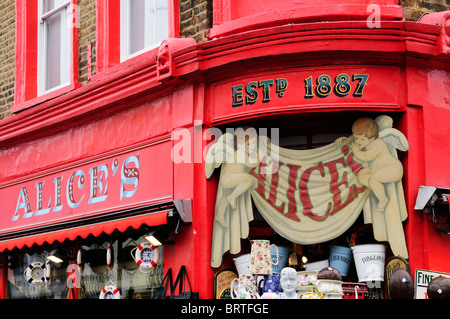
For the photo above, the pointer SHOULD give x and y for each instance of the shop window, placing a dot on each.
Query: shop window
(144, 24)
(67, 280)
(25, 277)
(54, 45)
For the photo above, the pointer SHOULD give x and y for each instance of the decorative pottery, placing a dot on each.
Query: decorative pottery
(244, 287)
(284, 253)
(272, 283)
(242, 264)
(261, 261)
(311, 295)
(340, 258)
(328, 286)
(269, 295)
(369, 262)
(306, 280)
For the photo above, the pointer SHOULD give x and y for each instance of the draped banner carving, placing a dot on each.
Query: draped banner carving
(306, 196)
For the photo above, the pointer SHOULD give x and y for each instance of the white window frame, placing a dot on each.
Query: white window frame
(66, 47)
(125, 30)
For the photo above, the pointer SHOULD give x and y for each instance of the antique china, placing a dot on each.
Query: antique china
(306, 280)
(244, 287)
(261, 260)
(327, 286)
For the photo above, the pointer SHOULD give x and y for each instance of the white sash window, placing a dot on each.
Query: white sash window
(54, 45)
(144, 24)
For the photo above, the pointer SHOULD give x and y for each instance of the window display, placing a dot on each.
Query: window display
(99, 268)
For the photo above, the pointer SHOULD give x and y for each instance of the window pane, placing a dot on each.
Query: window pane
(137, 25)
(20, 273)
(162, 29)
(53, 49)
(49, 5)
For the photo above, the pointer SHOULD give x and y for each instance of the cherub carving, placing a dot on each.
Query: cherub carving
(238, 155)
(377, 151)
(382, 174)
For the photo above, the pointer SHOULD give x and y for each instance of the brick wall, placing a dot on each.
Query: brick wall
(86, 35)
(7, 56)
(414, 9)
(195, 19)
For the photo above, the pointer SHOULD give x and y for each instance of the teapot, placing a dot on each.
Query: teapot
(270, 295)
(244, 287)
(260, 258)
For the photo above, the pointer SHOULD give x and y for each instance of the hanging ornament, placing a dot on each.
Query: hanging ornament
(146, 256)
(109, 257)
(80, 264)
(35, 273)
(110, 291)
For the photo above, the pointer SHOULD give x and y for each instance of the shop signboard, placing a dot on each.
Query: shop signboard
(222, 283)
(131, 178)
(422, 279)
(306, 89)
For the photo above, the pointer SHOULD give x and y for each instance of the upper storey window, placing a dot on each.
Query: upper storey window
(144, 24)
(54, 47)
(46, 51)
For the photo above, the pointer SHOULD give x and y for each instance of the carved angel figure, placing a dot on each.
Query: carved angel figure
(236, 165)
(237, 154)
(377, 151)
(375, 144)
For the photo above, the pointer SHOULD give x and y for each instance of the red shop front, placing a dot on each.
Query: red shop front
(303, 84)
(86, 177)
(97, 169)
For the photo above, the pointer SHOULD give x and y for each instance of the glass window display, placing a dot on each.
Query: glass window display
(84, 271)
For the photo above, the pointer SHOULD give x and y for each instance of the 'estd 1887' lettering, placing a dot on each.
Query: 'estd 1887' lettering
(321, 87)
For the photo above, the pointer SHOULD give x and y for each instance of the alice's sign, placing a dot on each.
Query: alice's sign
(310, 196)
(116, 182)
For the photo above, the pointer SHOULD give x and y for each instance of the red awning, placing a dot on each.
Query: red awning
(153, 219)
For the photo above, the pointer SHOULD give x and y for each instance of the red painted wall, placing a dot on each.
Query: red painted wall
(425, 122)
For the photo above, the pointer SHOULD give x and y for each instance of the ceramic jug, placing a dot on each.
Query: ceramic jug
(244, 287)
(272, 283)
(260, 259)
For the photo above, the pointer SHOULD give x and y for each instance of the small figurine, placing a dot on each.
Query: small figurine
(288, 281)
